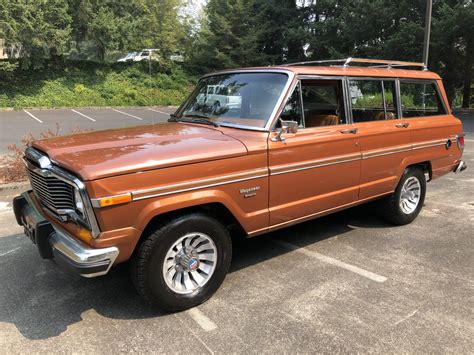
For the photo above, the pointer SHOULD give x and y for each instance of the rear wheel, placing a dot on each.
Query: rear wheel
(182, 263)
(407, 201)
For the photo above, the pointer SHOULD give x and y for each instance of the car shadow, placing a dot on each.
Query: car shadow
(42, 301)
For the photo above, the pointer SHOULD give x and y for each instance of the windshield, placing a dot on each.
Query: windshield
(245, 99)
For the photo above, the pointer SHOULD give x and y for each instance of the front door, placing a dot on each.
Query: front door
(316, 169)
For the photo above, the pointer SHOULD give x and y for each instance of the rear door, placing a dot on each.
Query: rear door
(318, 168)
(383, 136)
(431, 125)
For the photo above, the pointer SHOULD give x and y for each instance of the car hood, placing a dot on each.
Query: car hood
(95, 155)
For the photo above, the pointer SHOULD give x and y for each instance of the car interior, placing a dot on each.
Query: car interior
(420, 99)
(373, 100)
(322, 103)
(318, 103)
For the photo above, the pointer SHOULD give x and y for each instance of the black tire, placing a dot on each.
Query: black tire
(390, 208)
(147, 263)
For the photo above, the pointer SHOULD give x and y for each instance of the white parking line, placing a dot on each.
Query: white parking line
(128, 114)
(80, 113)
(326, 259)
(196, 336)
(163, 113)
(201, 319)
(9, 252)
(31, 115)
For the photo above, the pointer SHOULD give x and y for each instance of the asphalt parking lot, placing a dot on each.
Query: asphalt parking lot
(17, 124)
(343, 283)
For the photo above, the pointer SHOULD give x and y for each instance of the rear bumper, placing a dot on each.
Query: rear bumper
(460, 167)
(55, 243)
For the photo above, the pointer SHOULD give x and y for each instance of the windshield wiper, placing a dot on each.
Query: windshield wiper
(193, 118)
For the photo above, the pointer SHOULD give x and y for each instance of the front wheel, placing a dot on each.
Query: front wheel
(407, 201)
(182, 263)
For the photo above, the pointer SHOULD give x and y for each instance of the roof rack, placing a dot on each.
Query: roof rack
(377, 63)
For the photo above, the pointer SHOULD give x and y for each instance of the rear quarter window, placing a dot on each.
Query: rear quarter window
(420, 99)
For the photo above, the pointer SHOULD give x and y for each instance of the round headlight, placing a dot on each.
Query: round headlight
(78, 202)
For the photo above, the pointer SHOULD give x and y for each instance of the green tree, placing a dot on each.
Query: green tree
(452, 46)
(37, 30)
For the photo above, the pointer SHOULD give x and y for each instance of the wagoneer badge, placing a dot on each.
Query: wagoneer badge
(250, 192)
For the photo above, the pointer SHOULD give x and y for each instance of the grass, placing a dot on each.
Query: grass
(80, 84)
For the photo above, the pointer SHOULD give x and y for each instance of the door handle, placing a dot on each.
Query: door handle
(349, 130)
(402, 125)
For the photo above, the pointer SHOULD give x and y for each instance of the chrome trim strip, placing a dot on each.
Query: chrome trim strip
(283, 169)
(291, 89)
(380, 152)
(398, 99)
(313, 215)
(429, 144)
(47, 168)
(276, 109)
(364, 157)
(278, 170)
(188, 186)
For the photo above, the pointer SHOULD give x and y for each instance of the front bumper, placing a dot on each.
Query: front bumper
(53, 242)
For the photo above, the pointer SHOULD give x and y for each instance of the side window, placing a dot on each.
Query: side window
(322, 103)
(373, 100)
(420, 99)
(292, 109)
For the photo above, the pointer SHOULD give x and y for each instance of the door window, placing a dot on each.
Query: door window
(373, 100)
(420, 99)
(322, 103)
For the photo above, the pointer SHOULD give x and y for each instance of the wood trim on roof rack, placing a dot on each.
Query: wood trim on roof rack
(379, 63)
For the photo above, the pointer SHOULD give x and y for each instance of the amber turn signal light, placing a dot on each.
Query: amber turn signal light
(113, 200)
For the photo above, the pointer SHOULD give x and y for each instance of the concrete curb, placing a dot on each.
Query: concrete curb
(6, 109)
(14, 186)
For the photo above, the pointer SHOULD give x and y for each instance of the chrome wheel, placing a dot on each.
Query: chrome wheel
(190, 263)
(410, 195)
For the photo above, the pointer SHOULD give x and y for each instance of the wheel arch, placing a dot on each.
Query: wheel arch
(214, 209)
(425, 165)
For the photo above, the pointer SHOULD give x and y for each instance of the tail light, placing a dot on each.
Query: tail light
(460, 138)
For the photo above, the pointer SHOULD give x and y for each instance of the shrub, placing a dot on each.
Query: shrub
(12, 168)
(78, 84)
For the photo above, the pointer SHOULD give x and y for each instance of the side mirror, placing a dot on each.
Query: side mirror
(286, 127)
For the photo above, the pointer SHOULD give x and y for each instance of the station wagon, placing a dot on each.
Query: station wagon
(292, 143)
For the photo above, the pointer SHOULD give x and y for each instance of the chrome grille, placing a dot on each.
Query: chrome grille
(52, 192)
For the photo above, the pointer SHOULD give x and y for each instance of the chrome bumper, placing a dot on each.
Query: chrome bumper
(53, 242)
(460, 167)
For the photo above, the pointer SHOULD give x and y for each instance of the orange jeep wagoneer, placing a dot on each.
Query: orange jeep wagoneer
(250, 151)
